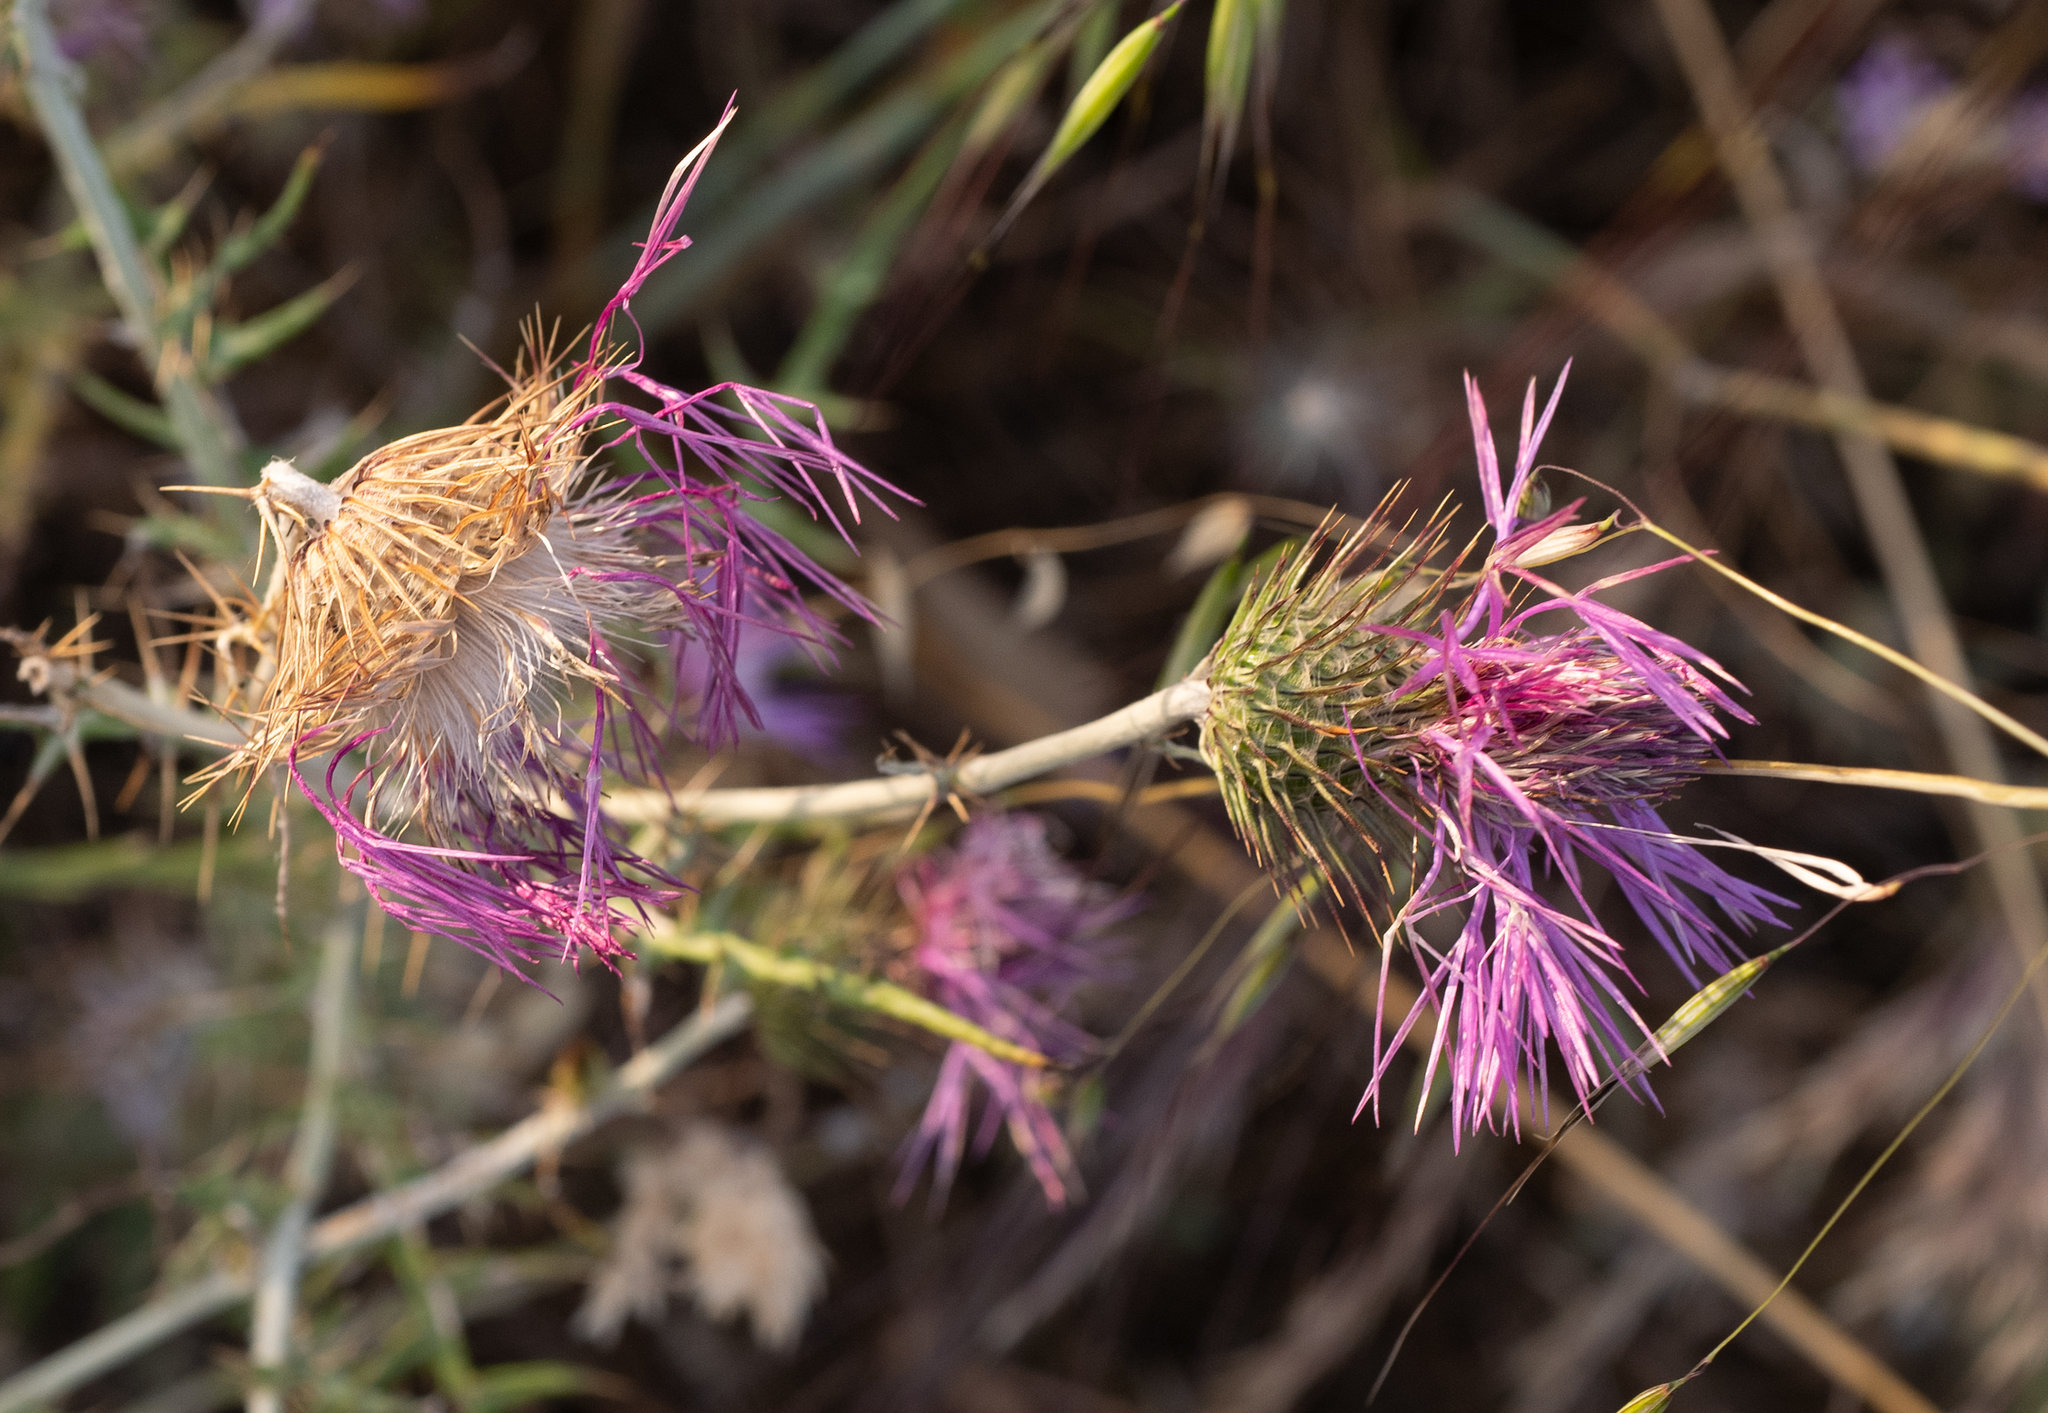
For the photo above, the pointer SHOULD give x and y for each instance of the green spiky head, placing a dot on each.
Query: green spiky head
(1300, 685)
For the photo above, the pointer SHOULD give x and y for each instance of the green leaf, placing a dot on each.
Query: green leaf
(1098, 98)
(68, 872)
(245, 245)
(859, 279)
(1091, 43)
(504, 1387)
(236, 346)
(1706, 1006)
(1105, 88)
(855, 149)
(1204, 623)
(1226, 79)
(169, 220)
(131, 414)
(208, 538)
(1014, 86)
(1264, 960)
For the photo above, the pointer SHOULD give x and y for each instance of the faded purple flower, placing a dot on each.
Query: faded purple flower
(449, 601)
(86, 29)
(1007, 933)
(1884, 95)
(1894, 85)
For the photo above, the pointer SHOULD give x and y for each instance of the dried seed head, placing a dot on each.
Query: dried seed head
(464, 611)
(443, 593)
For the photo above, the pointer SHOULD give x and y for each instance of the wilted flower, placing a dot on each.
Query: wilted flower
(1006, 932)
(1369, 696)
(715, 1217)
(438, 611)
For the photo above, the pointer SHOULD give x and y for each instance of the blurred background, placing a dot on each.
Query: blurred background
(1230, 310)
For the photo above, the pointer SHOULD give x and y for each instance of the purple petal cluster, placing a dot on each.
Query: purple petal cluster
(709, 453)
(1006, 933)
(1549, 726)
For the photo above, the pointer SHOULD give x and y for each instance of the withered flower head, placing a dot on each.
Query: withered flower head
(461, 618)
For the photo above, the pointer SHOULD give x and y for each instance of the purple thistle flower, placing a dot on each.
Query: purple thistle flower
(1007, 932)
(445, 605)
(1502, 732)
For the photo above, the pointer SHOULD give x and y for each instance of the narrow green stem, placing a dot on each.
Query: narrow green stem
(205, 430)
(306, 1171)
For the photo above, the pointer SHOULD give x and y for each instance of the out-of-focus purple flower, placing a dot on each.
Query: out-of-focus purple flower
(1884, 95)
(2026, 143)
(769, 667)
(448, 602)
(1890, 89)
(1515, 732)
(1007, 932)
(86, 29)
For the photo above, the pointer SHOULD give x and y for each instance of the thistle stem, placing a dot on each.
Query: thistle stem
(306, 1171)
(205, 431)
(906, 794)
(382, 1214)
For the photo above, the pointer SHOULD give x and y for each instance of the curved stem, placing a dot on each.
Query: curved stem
(1962, 787)
(906, 794)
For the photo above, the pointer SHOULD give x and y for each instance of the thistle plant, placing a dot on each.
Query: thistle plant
(1483, 735)
(435, 617)
(1005, 933)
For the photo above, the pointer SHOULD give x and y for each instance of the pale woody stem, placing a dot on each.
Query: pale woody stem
(306, 1172)
(906, 794)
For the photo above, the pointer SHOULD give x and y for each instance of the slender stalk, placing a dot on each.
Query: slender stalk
(383, 1214)
(1888, 518)
(799, 973)
(1961, 695)
(1516, 240)
(205, 432)
(306, 1171)
(1961, 787)
(906, 794)
(1640, 1191)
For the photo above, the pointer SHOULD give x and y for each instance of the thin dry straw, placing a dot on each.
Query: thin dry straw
(1955, 1077)
(1698, 1012)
